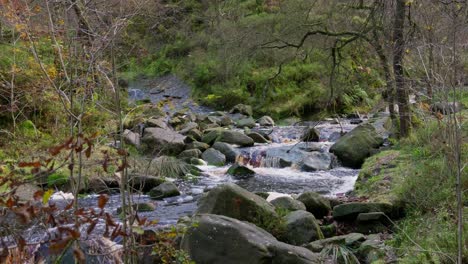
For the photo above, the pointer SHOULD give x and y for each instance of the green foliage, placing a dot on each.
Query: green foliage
(420, 173)
(339, 254)
(57, 179)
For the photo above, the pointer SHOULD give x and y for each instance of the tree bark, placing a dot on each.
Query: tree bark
(398, 54)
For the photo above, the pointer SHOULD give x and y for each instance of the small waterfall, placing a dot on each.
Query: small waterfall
(271, 162)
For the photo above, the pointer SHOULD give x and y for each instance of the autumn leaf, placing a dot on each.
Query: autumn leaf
(47, 195)
(79, 255)
(102, 200)
(35, 164)
(38, 195)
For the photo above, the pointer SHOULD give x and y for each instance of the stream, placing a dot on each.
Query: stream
(269, 177)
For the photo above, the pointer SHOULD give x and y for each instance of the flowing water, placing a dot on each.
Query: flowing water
(271, 175)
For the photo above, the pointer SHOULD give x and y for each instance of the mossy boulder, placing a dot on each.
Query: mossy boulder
(301, 228)
(288, 203)
(242, 109)
(221, 239)
(246, 122)
(190, 153)
(214, 157)
(240, 172)
(140, 207)
(235, 137)
(257, 138)
(228, 150)
(236, 202)
(167, 189)
(353, 148)
(315, 204)
(350, 211)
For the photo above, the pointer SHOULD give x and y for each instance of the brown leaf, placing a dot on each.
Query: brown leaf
(70, 205)
(21, 243)
(57, 247)
(38, 195)
(122, 152)
(79, 255)
(35, 164)
(10, 202)
(102, 200)
(54, 151)
(88, 151)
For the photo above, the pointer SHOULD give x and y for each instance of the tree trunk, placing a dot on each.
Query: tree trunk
(398, 53)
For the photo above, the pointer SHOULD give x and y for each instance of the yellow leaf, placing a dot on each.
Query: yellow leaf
(47, 195)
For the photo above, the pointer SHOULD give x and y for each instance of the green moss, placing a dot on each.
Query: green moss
(57, 179)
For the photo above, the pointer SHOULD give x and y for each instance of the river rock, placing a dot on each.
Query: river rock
(157, 122)
(352, 240)
(167, 189)
(197, 145)
(317, 161)
(228, 150)
(257, 138)
(163, 141)
(301, 228)
(210, 136)
(246, 122)
(188, 127)
(190, 153)
(242, 109)
(220, 239)
(315, 204)
(311, 134)
(195, 134)
(144, 183)
(140, 207)
(214, 157)
(288, 203)
(358, 144)
(266, 121)
(131, 138)
(240, 172)
(446, 107)
(236, 202)
(235, 137)
(349, 211)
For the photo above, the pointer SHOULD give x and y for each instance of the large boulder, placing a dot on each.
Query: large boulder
(131, 138)
(157, 122)
(317, 161)
(220, 239)
(228, 150)
(257, 138)
(242, 109)
(167, 189)
(240, 172)
(214, 157)
(301, 228)
(210, 136)
(315, 203)
(266, 121)
(349, 211)
(234, 137)
(163, 141)
(446, 107)
(288, 203)
(354, 147)
(246, 122)
(300, 154)
(144, 183)
(190, 153)
(236, 202)
(197, 145)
